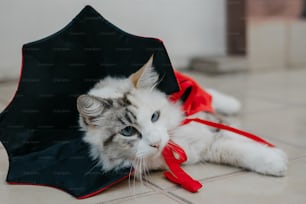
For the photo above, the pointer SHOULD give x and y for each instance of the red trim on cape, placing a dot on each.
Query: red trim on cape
(80, 197)
(106, 187)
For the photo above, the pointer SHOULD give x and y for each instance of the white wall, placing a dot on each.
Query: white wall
(188, 28)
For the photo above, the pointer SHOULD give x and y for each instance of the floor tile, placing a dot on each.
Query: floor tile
(288, 125)
(11, 194)
(123, 190)
(286, 95)
(232, 84)
(251, 105)
(2, 106)
(22, 194)
(3, 164)
(254, 188)
(7, 91)
(281, 87)
(292, 151)
(151, 199)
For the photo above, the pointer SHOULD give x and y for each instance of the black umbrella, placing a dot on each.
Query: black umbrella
(39, 128)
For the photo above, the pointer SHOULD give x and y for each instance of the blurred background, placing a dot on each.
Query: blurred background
(215, 36)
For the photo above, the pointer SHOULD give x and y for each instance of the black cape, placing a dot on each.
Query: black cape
(39, 128)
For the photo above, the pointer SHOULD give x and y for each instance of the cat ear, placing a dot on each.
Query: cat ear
(89, 107)
(145, 77)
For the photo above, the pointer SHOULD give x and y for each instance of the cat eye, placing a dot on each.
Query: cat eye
(155, 116)
(128, 131)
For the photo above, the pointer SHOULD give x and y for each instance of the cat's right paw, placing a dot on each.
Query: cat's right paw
(275, 163)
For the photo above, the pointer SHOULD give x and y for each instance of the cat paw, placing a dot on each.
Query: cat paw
(224, 104)
(274, 163)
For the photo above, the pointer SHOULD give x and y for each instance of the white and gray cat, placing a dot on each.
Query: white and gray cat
(127, 121)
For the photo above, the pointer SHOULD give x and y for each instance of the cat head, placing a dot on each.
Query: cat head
(127, 119)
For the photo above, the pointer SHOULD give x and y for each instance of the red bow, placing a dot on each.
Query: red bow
(174, 156)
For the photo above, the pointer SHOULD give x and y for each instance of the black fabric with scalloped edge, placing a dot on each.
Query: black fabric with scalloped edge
(39, 128)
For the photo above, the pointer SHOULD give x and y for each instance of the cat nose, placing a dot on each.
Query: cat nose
(155, 145)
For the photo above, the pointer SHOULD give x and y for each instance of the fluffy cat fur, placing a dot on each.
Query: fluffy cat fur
(128, 122)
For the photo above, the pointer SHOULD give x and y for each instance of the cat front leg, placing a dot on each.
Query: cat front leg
(244, 153)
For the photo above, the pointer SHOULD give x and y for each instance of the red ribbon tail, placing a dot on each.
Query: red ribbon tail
(229, 128)
(176, 174)
(171, 178)
(185, 181)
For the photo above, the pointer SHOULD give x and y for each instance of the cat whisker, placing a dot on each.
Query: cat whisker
(140, 171)
(146, 171)
(130, 174)
(133, 168)
(141, 154)
(94, 166)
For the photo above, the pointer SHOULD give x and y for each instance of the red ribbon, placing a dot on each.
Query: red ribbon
(174, 156)
(225, 127)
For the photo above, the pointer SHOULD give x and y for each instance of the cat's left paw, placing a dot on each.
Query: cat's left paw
(275, 163)
(224, 104)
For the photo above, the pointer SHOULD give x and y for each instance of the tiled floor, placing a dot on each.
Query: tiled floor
(274, 106)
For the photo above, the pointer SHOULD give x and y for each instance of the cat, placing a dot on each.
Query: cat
(127, 122)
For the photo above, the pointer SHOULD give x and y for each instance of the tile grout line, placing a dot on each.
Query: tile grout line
(168, 194)
(155, 191)
(286, 142)
(278, 140)
(179, 197)
(168, 191)
(228, 175)
(294, 159)
(256, 112)
(126, 198)
(292, 105)
(133, 195)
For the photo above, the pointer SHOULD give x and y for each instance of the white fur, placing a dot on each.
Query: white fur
(200, 144)
(111, 87)
(223, 103)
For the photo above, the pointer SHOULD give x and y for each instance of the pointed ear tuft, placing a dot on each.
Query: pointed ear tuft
(145, 77)
(89, 108)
